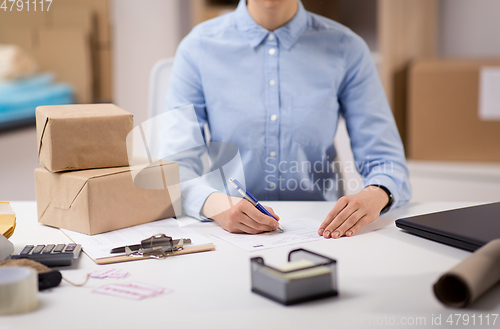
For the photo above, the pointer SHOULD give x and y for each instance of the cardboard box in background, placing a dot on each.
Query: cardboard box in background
(88, 21)
(22, 37)
(66, 52)
(23, 18)
(74, 137)
(443, 114)
(102, 200)
(103, 70)
(102, 16)
(71, 16)
(100, 38)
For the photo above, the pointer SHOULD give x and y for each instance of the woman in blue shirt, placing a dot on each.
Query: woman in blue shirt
(273, 79)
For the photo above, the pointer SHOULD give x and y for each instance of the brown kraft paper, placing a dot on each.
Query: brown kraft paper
(467, 281)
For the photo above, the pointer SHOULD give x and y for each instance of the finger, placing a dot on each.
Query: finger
(240, 228)
(233, 228)
(331, 229)
(243, 219)
(339, 206)
(348, 223)
(271, 211)
(257, 220)
(236, 224)
(243, 228)
(360, 224)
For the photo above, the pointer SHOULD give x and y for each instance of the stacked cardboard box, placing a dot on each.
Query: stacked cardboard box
(86, 184)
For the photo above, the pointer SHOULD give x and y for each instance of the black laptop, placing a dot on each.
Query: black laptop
(465, 228)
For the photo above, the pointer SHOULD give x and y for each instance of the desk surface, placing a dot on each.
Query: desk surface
(385, 279)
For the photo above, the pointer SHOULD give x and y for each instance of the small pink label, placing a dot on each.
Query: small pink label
(132, 290)
(112, 273)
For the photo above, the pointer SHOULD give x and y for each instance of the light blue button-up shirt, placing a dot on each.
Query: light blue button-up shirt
(278, 96)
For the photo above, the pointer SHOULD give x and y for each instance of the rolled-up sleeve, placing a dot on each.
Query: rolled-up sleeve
(185, 90)
(375, 141)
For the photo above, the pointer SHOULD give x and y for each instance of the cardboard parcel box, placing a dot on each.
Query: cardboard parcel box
(101, 200)
(444, 123)
(74, 137)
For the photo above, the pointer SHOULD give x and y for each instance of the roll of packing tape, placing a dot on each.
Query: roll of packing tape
(18, 290)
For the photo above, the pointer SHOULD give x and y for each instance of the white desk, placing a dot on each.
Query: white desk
(385, 277)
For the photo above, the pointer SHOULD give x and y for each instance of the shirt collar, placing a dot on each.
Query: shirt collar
(287, 35)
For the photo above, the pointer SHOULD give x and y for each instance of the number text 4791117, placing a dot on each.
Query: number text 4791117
(25, 5)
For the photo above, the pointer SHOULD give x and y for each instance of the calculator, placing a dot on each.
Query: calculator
(51, 254)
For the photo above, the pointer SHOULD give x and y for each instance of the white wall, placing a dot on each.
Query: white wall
(144, 32)
(469, 28)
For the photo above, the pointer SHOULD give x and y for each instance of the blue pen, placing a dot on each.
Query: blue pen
(249, 197)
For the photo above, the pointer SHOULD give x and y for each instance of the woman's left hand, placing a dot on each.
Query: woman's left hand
(352, 212)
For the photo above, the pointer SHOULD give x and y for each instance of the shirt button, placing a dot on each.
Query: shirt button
(272, 51)
(272, 185)
(272, 153)
(272, 83)
(274, 117)
(271, 36)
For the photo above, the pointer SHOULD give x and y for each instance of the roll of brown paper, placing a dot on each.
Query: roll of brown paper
(467, 281)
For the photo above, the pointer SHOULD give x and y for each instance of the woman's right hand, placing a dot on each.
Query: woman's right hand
(237, 215)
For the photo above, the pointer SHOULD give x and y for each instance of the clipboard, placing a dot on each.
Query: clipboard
(124, 258)
(100, 247)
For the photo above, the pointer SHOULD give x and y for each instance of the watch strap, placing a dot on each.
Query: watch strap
(389, 194)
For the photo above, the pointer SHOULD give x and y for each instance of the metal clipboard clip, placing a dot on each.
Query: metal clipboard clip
(158, 246)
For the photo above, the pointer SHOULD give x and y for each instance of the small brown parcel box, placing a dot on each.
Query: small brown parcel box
(74, 137)
(100, 200)
(443, 112)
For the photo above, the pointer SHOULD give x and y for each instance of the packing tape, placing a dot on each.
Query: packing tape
(18, 289)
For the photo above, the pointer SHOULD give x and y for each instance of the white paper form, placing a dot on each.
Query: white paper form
(489, 93)
(296, 231)
(100, 245)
